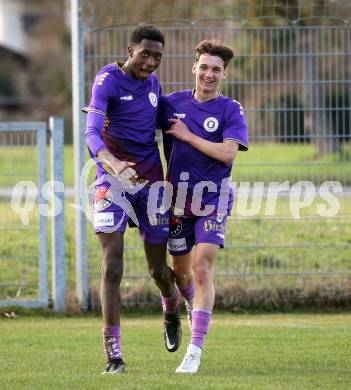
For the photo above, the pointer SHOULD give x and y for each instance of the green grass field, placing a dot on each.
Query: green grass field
(285, 351)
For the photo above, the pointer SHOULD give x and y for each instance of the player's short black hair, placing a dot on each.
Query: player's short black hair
(147, 32)
(214, 47)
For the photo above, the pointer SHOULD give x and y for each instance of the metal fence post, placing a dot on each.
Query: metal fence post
(23, 164)
(58, 220)
(79, 148)
(43, 220)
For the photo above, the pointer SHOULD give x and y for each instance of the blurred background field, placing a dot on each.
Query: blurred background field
(264, 162)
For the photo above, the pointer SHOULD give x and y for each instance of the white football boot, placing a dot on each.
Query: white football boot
(191, 361)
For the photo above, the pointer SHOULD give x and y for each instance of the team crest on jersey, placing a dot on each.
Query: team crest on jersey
(211, 124)
(153, 99)
(175, 226)
(103, 198)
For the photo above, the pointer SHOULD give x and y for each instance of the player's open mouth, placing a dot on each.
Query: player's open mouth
(145, 73)
(207, 82)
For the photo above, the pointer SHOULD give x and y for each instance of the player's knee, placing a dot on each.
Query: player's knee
(181, 275)
(202, 274)
(112, 268)
(159, 273)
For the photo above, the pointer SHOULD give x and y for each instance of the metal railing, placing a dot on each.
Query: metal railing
(25, 195)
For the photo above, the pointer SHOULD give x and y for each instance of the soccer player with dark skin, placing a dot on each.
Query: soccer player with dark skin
(207, 131)
(128, 94)
(203, 132)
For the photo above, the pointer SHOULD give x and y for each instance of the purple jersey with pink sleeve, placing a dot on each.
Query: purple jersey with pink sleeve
(131, 106)
(215, 120)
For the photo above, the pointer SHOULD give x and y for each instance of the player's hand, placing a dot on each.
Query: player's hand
(121, 168)
(179, 130)
(128, 176)
(106, 122)
(123, 171)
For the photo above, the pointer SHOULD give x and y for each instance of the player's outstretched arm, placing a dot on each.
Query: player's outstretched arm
(223, 151)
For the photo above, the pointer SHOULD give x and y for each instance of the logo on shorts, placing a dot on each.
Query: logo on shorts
(211, 124)
(153, 220)
(103, 198)
(153, 99)
(159, 220)
(213, 226)
(103, 220)
(175, 226)
(219, 218)
(177, 244)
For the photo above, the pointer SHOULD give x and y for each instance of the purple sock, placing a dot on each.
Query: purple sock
(200, 323)
(170, 305)
(112, 341)
(187, 292)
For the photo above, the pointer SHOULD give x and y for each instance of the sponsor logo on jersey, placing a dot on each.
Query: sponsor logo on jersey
(179, 115)
(129, 97)
(103, 198)
(177, 244)
(210, 225)
(211, 124)
(153, 99)
(103, 220)
(175, 226)
(102, 78)
(220, 235)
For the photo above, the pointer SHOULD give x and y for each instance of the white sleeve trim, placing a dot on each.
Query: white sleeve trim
(88, 109)
(238, 141)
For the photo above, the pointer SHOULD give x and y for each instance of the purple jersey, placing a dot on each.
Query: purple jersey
(131, 106)
(215, 120)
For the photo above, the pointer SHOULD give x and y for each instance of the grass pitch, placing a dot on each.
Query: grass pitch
(289, 351)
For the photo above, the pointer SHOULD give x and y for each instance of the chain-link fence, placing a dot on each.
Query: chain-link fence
(23, 235)
(293, 79)
(27, 198)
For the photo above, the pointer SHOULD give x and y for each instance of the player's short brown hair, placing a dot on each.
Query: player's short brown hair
(213, 47)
